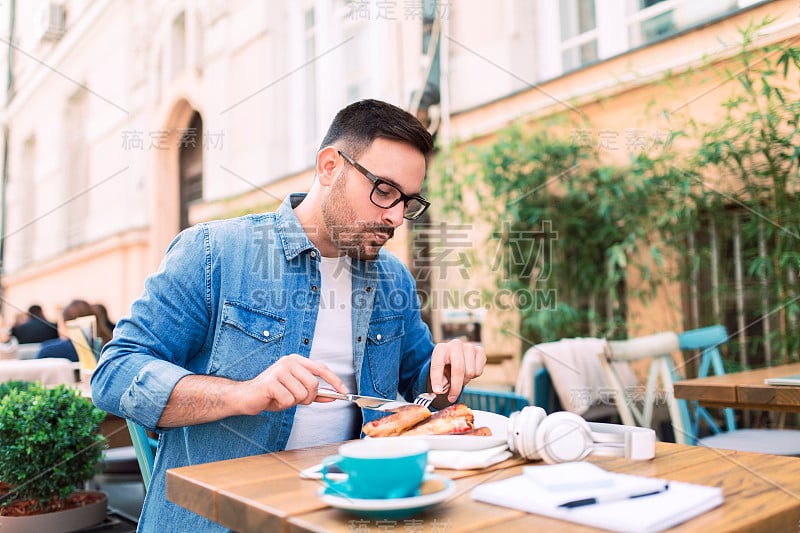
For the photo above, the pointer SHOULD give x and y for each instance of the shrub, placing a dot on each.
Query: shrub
(50, 441)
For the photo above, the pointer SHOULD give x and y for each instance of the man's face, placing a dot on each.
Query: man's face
(358, 227)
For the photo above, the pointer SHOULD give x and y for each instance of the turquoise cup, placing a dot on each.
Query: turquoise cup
(378, 468)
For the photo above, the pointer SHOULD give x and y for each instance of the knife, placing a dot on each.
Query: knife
(367, 402)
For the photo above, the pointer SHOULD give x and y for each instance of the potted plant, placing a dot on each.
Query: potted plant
(50, 445)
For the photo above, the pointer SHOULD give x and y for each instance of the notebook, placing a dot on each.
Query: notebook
(611, 501)
(793, 379)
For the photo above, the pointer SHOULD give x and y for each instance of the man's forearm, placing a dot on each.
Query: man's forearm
(200, 399)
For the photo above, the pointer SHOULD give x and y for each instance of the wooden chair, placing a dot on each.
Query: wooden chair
(774, 441)
(635, 408)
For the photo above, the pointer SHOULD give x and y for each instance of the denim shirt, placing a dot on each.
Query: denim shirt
(229, 299)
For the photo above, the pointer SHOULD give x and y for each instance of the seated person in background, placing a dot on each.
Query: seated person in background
(36, 328)
(102, 316)
(63, 347)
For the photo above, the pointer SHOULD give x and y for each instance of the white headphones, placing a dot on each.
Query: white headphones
(565, 436)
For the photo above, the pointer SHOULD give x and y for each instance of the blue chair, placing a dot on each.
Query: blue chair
(708, 340)
(544, 394)
(774, 441)
(500, 402)
(145, 447)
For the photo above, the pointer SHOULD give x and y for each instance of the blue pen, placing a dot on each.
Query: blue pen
(610, 498)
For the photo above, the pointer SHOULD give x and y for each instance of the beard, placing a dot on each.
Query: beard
(359, 240)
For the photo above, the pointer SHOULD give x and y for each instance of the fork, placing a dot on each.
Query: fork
(426, 398)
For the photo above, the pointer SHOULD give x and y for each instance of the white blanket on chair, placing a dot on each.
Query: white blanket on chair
(575, 371)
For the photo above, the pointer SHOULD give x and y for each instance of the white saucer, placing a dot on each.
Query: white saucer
(392, 508)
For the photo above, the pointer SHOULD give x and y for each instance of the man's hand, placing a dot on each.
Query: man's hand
(455, 362)
(290, 381)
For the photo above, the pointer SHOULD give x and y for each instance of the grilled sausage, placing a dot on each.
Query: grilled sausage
(396, 423)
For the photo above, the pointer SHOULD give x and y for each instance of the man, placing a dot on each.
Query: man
(36, 329)
(224, 352)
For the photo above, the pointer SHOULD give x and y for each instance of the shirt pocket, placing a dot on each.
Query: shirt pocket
(248, 342)
(384, 349)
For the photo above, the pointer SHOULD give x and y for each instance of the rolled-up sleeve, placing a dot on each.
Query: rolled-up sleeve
(153, 348)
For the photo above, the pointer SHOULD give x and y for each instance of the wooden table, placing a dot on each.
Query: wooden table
(265, 493)
(744, 390)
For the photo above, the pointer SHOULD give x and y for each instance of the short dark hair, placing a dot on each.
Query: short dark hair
(360, 123)
(36, 310)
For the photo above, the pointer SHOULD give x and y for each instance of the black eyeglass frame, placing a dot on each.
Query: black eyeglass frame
(376, 182)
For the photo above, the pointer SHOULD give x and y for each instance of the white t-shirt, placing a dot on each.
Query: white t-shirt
(322, 423)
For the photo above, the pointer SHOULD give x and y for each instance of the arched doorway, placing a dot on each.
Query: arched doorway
(179, 176)
(190, 167)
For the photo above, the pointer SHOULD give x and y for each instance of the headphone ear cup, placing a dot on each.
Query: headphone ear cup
(563, 437)
(522, 428)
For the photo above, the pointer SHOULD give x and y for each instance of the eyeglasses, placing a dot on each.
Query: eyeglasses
(385, 195)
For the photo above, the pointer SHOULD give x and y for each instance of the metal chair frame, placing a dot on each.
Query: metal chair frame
(145, 447)
(708, 340)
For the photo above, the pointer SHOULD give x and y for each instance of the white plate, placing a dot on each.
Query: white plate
(391, 508)
(497, 423)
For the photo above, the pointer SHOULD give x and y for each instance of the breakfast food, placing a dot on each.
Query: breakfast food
(398, 422)
(482, 431)
(410, 420)
(457, 418)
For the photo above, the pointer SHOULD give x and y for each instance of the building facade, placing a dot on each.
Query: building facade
(126, 121)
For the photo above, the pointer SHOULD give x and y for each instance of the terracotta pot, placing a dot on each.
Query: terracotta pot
(59, 521)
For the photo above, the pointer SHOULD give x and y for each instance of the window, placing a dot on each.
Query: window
(178, 49)
(310, 81)
(355, 58)
(77, 167)
(26, 236)
(592, 30)
(578, 33)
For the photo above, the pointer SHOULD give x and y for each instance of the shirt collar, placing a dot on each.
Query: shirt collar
(292, 235)
(294, 238)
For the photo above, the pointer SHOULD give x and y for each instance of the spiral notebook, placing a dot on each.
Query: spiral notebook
(606, 500)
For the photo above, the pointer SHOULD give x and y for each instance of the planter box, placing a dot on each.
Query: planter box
(58, 522)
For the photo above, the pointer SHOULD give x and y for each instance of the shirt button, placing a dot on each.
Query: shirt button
(313, 253)
(305, 341)
(266, 333)
(314, 288)
(378, 336)
(359, 338)
(369, 289)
